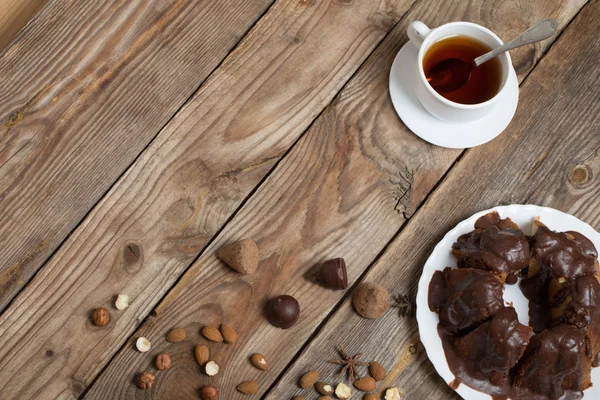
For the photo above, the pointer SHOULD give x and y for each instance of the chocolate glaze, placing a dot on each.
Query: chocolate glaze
(584, 243)
(554, 361)
(535, 289)
(565, 257)
(464, 298)
(333, 275)
(503, 250)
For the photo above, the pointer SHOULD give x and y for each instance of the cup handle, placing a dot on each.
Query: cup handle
(417, 32)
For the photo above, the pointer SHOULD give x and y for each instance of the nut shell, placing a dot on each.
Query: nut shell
(324, 389)
(163, 361)
(371, 300)
(145, 380)
(309, 379)
(212, 334)
(370, 396)
(377, 371)
(201, 354)
(366, 384)
(229, 334)
(258, 360)
(100, 316)
(176, 335)
(248, 387)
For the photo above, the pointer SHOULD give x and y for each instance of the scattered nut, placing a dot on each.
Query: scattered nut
(142, 344)
(324, 389)
(145, 380)
(248, 387)
(309, 379)
(343, 391)
(176, 335)
(229, 334)
(209, 393)
(370, 300)
(377, 371)
(163, 361)
(212, 334)
(122, 302)
(258, 360)
(366, 384)
(370, 396)
(201, 354)
(393, 394)
(211, 368)
(100, 316)
(242, 256)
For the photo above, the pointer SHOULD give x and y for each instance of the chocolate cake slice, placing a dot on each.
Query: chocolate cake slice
(554, 361)
(496, 245)
(464, 298)
(494, 347)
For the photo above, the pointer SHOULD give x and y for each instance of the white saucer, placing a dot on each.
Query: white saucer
(441, 257)
(431, 129)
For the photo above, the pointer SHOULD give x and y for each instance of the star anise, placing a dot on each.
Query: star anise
(349, 363)
(405, 305)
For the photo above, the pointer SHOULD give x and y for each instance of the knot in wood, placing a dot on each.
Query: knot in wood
(580, 175)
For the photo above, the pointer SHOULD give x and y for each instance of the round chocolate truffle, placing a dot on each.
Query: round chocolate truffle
(370, 300)
(333, 274)
(283, 311)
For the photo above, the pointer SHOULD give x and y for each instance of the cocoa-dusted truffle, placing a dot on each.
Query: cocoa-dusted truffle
(333, 275)
(371, 300)
(283, 311)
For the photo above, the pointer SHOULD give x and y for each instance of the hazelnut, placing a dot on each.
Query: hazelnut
(393, 394)
(163, 361)
(100, 316)
(142, 344)
(122, 302)
(145, 380)
(211, 368)
(209, 393)
(343, 391)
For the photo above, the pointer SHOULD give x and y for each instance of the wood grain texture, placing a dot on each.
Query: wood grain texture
(344, 190)
(161, 214)
(539, 160)
(14, 15)
(84, 89)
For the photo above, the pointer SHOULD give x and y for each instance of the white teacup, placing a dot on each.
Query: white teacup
(423, 37)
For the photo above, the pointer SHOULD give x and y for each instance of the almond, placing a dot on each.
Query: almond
(176, 335)
(366, 384)
(242, 256)
(258, 360)
(377, 371)
(309, 379)
(212, 334)
(370, 396)
(202, 354)
(248, 387)
(229, 334)
(324, 389)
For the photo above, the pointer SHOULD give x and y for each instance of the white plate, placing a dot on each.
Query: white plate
(441, 258)
(433, 130)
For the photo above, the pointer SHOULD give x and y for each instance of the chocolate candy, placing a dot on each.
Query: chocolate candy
(333, 274)
(283, 311)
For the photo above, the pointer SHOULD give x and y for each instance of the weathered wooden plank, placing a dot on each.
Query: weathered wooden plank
(183, 188)
(343, 190)
(14, 14)
(549, 156)
(83, 90)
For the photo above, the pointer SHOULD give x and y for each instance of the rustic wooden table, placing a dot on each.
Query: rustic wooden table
(138, 137)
